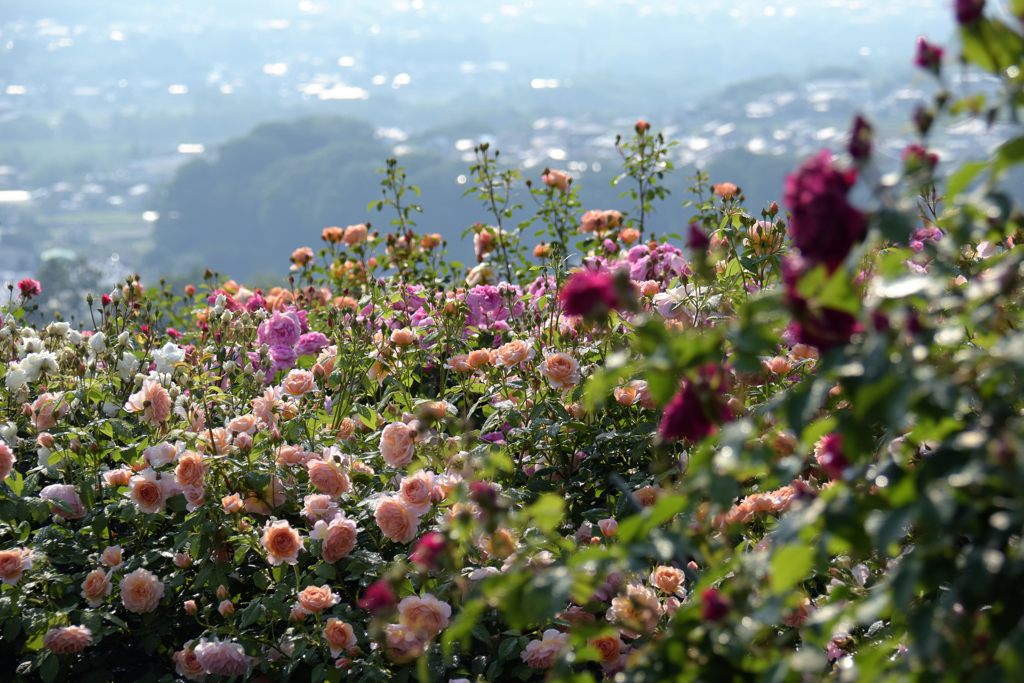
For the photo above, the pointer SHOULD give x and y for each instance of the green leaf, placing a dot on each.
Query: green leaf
(1010, 153)
(546, 514)
(789, 565)
(962, 178)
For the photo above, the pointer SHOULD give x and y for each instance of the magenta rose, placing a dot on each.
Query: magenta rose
(281, 329)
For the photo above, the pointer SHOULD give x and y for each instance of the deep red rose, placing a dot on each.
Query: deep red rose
(929, 56)
(699, 407)
(590, 294)
(714, 606)
(830, 456)
(824, 225)
(860, 139)
(378, 597)
(969, 11)
(428, 549)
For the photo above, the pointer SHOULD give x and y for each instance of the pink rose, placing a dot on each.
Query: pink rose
(397, 444)
(396, 520)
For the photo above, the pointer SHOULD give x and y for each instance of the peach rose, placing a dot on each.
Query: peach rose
(14, 563)
(459, 363)
(47, 409)
(402, 644)
(302, 256)
(478, 358)
(541, 654)
(111, 557)
(417, 491)
(646, 496)
(152, 401)
(7, 460)
(637, 611)
(403, 337)
(298, 383)
(625, 395)
(190, 470)
(338, 537)
(725, 190)
(609, 647)
(650, 287)
(333, 234)
(558, 180)
(119, 477)
(397, 444)
(668, 580)
(513, 353)
(339, 636)
(561, 370)
(629, 235)
(148, 492)
(282, 542)
(346, 430)
(187, 665)
(218, 440)
(288, 454)
(609, 527)
(96, 587)
(141, 591)
(315, 599)
(355, 234)
(396, 520)
(243, 424)
(328, 478)
(425, 614)
(160, 454)
(231, 503)
(67, 640)
(594, 221)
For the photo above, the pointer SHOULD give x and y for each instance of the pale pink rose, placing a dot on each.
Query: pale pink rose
(315, 599)
(182, 560)
(244, 424)
(417, 492)
(338, 536)
(67, 640)
(396, 520)
(195, 496)
(402, 644)
(187, 665)
(152, 401)
(96, 587)
(64, 501)
(561, 370)
(541, 654)
(668, 580)
(282, 542)
(426, 614)
(119, 477)
(190, 469)
(397, 444)
(222, 657)
(149, 491)
(513, 353)
(609, 527)
(191, 608)
(327, 477)
(111, 557)
(339, 636)
(47, 409)
(7, 460)
(226, 608)
(244, 442)
(141, 591)
(14, 563)
(637, 612)
(298, 383)
(319, 506)
(160, 454)
(264, 408)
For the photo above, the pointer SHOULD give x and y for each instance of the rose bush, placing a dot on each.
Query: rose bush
(789, 446)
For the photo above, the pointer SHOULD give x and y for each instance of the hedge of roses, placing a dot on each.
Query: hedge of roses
(783, 444)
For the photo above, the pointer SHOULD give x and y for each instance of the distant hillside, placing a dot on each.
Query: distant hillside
(262, 194)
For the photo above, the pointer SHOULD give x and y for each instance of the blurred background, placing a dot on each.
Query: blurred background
(164, 137)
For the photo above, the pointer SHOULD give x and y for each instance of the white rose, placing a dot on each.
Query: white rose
(98, 342)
